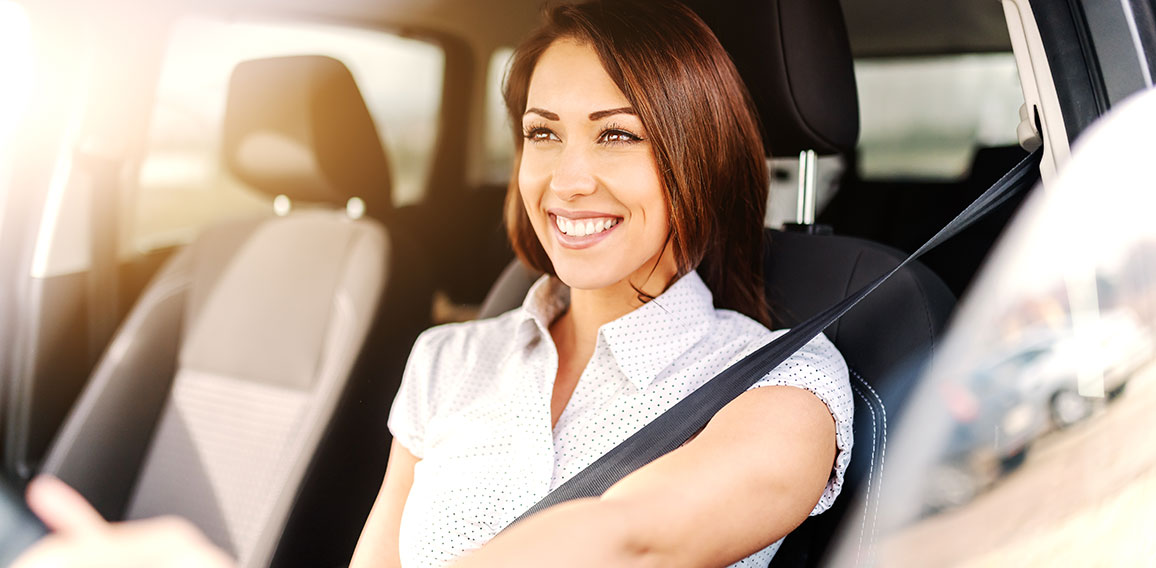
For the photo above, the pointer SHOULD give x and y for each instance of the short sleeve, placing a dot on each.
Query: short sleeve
(412, 406)
(819, 368)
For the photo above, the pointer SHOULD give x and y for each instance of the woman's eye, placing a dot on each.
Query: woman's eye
(540, 134)
(618, 136)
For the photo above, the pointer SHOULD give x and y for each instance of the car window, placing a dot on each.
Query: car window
(498, 144)
(181, 186)
(16, 66)
(925, 117)
(1052, 464)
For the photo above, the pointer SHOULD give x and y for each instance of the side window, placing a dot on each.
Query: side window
(925, 117)
(181, 185)
(499, 147)
(1027, 440)
(16, 66)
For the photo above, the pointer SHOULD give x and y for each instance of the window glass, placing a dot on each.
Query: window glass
(16, 66)
(181, 185)
(1028, 439)
(925, 117)
(499, 145)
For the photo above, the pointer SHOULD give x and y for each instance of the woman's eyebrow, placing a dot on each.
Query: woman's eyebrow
(543, 113)
(599, 115)
(596, 115)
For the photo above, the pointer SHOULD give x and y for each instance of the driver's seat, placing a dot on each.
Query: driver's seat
(796, 61)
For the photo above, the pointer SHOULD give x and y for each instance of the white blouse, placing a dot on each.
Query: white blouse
(474, 405)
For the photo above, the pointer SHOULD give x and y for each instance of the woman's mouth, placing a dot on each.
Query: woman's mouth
(582, 231)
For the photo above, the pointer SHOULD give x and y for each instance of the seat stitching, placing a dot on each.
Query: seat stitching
(870, 473)
(882, 451)
(926, 313)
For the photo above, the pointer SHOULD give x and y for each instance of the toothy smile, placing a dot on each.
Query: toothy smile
(584, 227)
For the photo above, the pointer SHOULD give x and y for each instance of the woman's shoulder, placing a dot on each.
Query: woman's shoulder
(434, 373)
(817, 367)
(464, 338)
(818, 352)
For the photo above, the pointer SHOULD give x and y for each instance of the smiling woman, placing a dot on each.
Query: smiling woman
(582, 229)
(639, 188)
(663, 95)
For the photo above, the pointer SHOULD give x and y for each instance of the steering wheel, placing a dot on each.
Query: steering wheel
(19, 528)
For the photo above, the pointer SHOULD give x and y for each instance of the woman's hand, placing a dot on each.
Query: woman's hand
(82, 538)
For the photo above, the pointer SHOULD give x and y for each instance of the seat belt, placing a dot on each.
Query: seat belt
(683, 420)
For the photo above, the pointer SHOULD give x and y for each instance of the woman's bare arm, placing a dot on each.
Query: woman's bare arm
(750, 477)
(377, 546)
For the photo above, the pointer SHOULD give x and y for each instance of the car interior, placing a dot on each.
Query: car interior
(246, 212)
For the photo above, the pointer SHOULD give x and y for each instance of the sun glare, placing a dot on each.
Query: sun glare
(16, 66)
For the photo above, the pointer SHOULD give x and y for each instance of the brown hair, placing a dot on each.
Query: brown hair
(700, 122)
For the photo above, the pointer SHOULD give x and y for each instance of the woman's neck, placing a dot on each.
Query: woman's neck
(589, 310)
(576, 331)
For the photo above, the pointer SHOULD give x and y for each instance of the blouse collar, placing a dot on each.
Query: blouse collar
(644, 341)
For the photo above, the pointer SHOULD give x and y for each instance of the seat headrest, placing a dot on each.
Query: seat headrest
(795, 58)
(298, 126)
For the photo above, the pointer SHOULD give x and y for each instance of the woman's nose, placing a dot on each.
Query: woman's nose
(573, 174)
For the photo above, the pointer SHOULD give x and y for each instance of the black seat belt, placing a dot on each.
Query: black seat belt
(675, 426)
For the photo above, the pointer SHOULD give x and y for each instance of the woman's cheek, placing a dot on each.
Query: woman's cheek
(530, 190)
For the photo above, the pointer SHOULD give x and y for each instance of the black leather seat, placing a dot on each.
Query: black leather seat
(796, 61)
(894, 328)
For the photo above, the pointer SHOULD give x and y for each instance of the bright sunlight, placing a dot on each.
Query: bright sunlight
(16, 66)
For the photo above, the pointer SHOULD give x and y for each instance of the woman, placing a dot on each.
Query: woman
(639, 189)
(639, 159)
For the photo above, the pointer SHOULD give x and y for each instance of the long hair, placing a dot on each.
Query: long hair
(701, 125)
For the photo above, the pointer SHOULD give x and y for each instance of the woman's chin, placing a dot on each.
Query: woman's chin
(585, 283)
(582, 279)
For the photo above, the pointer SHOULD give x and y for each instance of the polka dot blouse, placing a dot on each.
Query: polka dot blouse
(474, 405)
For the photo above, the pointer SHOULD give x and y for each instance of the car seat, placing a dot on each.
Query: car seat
(796, 61)
(216, 391)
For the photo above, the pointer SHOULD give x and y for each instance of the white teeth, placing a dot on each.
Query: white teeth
(582, 228)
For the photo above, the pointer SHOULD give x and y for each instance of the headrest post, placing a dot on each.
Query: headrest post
(805, 208)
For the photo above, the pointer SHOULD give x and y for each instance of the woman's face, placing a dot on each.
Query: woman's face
(588, 177)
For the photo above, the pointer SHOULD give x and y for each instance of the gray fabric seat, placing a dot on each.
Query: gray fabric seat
(215, 392)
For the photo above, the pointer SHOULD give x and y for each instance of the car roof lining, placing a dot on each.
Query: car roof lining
(877, 28)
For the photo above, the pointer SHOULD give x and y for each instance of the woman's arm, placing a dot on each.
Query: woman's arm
(750, 477)
(377, 546)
